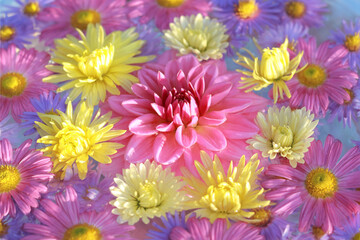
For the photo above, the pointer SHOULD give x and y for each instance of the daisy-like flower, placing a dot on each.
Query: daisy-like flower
(323, 188)
(350, 229)
(198, 35)
(145, 191)
(97, 64)
(27, 8)
(248, 16)
(63, 220)
(285, 132)
(232, 195)
(20, 79)
(74, 136)
(349, 38)
(11, 227)
(65, 16)
(15, 30)
(24, 174)
(323, 77)
(164, 11)
(169, 222)
(274, 67)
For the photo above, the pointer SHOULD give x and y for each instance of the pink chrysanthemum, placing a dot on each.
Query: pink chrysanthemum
(325, 77)
(21, 76)
(66, 15)
(24, 174)
(63, 220)
(323, 188)
(183, 107)
(164, 11)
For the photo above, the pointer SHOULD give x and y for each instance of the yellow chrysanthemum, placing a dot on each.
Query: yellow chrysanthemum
(285, 133)
(73, 137)
(274, 68)
(144, 191)
(97, 63)
(199, 35)
(232, 195)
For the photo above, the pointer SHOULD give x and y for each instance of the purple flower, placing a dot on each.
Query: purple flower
(350, 230)
(15, 30)
(169, 223)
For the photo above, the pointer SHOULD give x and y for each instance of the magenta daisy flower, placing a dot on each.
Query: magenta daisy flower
(24, 174)
(164, 11)
(323, 188)
(21, 76)
(324, 78)
(63, 220)
(65, 16)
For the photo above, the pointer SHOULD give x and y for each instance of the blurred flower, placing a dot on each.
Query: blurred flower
(152, 36)
(350, 229)
(11, 227)
(168, 224)
(27, 8)
(7, 129)
(15, 30)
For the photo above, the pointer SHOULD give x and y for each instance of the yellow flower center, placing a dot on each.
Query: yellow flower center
(262, 214)
(82, 18)
(295, 9)
(3, 229)
(148, 195)
(170, 3)
(12, 84)
(355, 237)
(246, 9)
(7, 33)
(9, 178)
(283, 136)
(351, 94)
(317, 232)
(352, 42)
(312, 76)
(82, 231)
(321, 183)
(31, 9)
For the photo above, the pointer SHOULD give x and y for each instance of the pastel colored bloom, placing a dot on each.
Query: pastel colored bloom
(15, 30)
(274, 68)
(7, 128)
(323, 77)
(285, 132)
(349, 38)
(24, 174)
(152, 37)
(350, 229)
(97, 64)
(20, 80)
(74, 136)
(183, 107)
(145, 191)
(248, 16)
(65, 16)
(201, 36)
(11, 227)
(164, 11)
(236, 41)
(63, 220)
(203, 229)
(28, 8)
(169, 222)
(324, 189)
(232, 195)
(222, 3)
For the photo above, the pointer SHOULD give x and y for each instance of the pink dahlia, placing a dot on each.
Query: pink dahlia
(324, 78)
(164, 11)
(64, 16)
(21, 75)
(24, 174)
(323, 188)
(63, 220)
(182, 107)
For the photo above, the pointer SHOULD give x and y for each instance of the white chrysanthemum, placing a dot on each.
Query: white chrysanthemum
(144, 191)
(284, 132)
(199, 35)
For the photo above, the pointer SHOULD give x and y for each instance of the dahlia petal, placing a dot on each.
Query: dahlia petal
(145, 124)
(139, 148)
(211, 138)
(137, 106)
(186, 136)
(166, 148)
(166, 127)
(215, 118)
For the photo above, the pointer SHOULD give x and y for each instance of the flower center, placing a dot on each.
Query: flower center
(82, 231)
(12, 84)
(317, 232)
(7, 33)
(91, 194)
(9, 178)
(312, 76)
(3, 229)
(283, 136)
(82, 18)
(31, 9)
(262, 214)
(321, 183)
(295, 9)
(246, 9)
(355, 237)
(352, 42)
(170, 3)
(148, 195)
(351, 94)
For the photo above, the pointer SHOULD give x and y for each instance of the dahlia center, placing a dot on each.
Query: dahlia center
(7, 33)
(283, 135)
(317, 232)
(149, 195)
(321, 183)
(72, 142)
(295, 9)
(82, 231)
(355, 237)
(246, 9)
(352, 42)
(351, 94)
(12, 84)
(82, 18)
(31, 9)
(9, 178)
(170, 3)
(312, 76)
(3, 229)
(263, 215)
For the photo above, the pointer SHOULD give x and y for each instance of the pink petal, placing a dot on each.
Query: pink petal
(213, 119)
(145, 124)
(186, 136)
(139, 148)
(137, 106)
(166, 148)
(211, 138)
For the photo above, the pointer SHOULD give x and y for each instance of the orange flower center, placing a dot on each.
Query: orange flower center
(246, 9)
(312, 76)
(295, 9)
(262, 214)
(352, 42)
(321, 183)
(82, 18)
(7, 33)
(9, 179)
(32, 9)
(82, 232)
(12, 84)
(170, 3)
